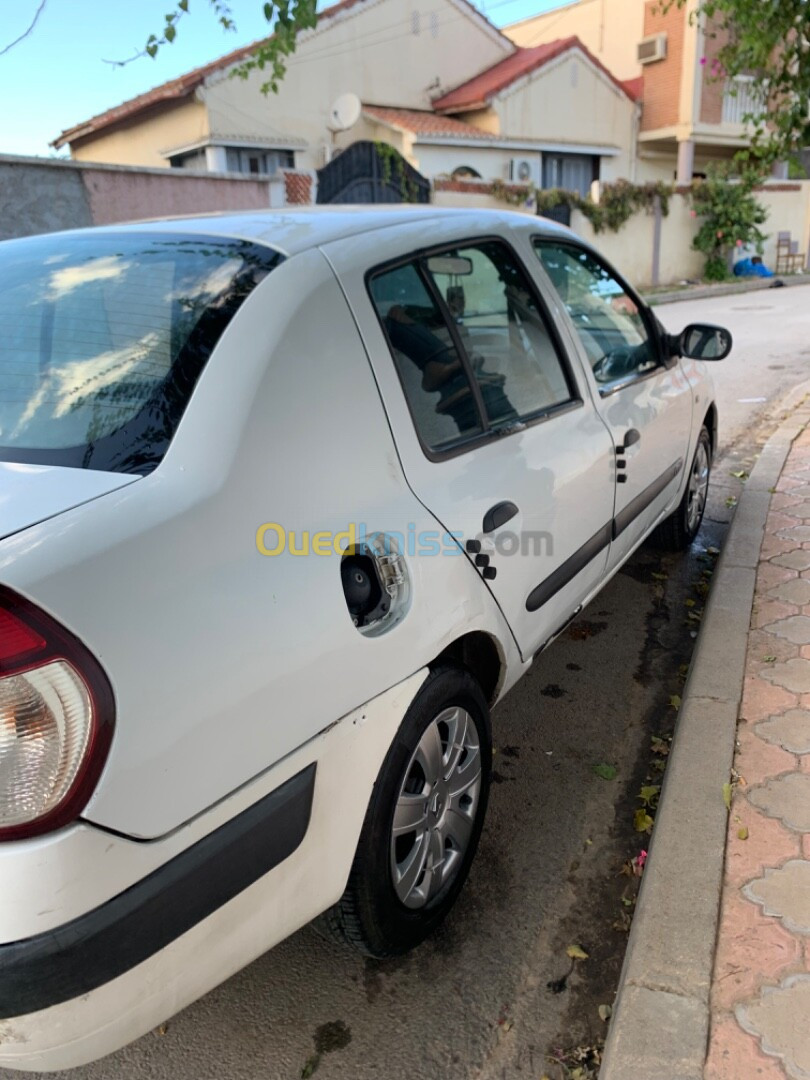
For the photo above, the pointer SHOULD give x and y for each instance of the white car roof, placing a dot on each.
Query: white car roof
(293, 230)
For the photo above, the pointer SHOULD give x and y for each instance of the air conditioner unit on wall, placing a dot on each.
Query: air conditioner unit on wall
(524, 170)
(652, 48)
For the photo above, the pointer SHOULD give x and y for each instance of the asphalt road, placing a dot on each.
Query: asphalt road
(474, 1003)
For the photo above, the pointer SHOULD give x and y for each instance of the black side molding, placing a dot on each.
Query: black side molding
(643, 499)
(543, 592)
(94, 948)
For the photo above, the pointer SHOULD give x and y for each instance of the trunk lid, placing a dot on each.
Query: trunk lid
(30, 494)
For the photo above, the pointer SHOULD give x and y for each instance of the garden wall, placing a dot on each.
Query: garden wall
(632, 248)
(40, 195)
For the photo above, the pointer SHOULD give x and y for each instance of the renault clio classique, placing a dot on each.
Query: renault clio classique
(288, 501)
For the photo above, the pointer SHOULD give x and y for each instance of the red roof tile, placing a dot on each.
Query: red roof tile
(478, 91)
(634, 87)
(425, 123)
(181, 87)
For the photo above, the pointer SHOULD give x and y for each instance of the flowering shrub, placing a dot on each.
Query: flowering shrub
(731, 217)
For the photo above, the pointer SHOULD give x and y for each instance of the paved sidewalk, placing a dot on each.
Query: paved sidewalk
(760, 993)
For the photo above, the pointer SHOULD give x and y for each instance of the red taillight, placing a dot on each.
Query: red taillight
(16, 639)
(56, 718)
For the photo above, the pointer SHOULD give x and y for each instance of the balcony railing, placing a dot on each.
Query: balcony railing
(742, 97)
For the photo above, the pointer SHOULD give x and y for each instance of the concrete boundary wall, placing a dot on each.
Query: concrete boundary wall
(631, 248)
(39, 195)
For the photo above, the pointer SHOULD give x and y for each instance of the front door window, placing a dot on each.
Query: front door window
(607, 319)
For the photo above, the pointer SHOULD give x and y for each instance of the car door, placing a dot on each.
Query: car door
(641, 393)
(497, 433)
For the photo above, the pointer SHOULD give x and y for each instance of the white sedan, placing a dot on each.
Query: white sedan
(287, 502)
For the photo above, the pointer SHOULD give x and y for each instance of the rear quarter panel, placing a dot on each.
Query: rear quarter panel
(223, 660)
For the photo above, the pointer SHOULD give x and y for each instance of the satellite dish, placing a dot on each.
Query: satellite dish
(344, 113)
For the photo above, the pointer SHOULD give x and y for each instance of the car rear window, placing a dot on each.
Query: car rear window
(103, 338)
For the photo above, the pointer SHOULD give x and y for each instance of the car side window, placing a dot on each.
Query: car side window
(431, 370)
(511, 352)
(607, 319)
(471, 346)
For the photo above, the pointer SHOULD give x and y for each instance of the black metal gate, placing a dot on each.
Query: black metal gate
(369, 172)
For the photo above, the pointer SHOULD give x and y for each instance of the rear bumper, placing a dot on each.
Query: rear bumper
(282, 855)
(108, 941)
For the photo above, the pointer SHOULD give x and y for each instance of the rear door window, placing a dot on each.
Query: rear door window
(474, 351)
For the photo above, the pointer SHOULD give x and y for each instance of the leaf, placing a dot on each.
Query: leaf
(605, 1012)
(742, 833)
(311, 1065)
(268, 11)
(727, 790)
(689, 603)
(740, 474)
(712, 551)
(768, 659)
(649, 794)
(642, 821)
(607, 772)
(675, 701)
(731, 501)
(659, 746)
(660, 577)
(152, 50)
(183, 5)
(170, 33)
(576, 952)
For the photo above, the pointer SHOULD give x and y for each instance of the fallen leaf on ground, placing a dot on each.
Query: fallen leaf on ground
(605, 1012)
(576, 952)
(675, 701)
(649, 794)
(742, 834)
(727, 789)
(310, 1066)
(642, 821)
(768, 659)
(607, 772)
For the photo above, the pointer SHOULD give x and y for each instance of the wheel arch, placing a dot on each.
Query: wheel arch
(710, 423)
(482, 655)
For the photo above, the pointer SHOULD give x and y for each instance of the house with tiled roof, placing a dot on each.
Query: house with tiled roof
(384, 51)
(441, 84)
(689, 116)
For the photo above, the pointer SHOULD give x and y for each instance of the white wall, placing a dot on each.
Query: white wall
(631, 248)
(611, 29)
(370, 50)
(492, 163)
(569, 101)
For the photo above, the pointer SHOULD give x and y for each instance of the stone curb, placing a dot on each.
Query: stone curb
(660, 1024)
(703, 292)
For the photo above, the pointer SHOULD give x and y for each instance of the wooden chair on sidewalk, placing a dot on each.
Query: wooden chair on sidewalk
(789, 260)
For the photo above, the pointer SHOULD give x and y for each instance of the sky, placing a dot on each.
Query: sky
(57, 76)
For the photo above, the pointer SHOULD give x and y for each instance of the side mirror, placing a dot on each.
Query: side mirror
(703, 341)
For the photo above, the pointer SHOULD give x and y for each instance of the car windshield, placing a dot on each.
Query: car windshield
(104, 335)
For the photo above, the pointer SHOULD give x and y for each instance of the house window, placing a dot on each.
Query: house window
(194, 160)
(258, 162)
(571, 172)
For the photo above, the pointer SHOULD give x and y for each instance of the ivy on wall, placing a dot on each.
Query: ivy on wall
(392, 164)
(618, 200)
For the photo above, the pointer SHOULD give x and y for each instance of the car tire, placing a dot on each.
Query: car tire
(678, 531)
(433, 790)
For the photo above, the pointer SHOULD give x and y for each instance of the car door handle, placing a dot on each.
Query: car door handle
(632, 437)
(498, 515)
